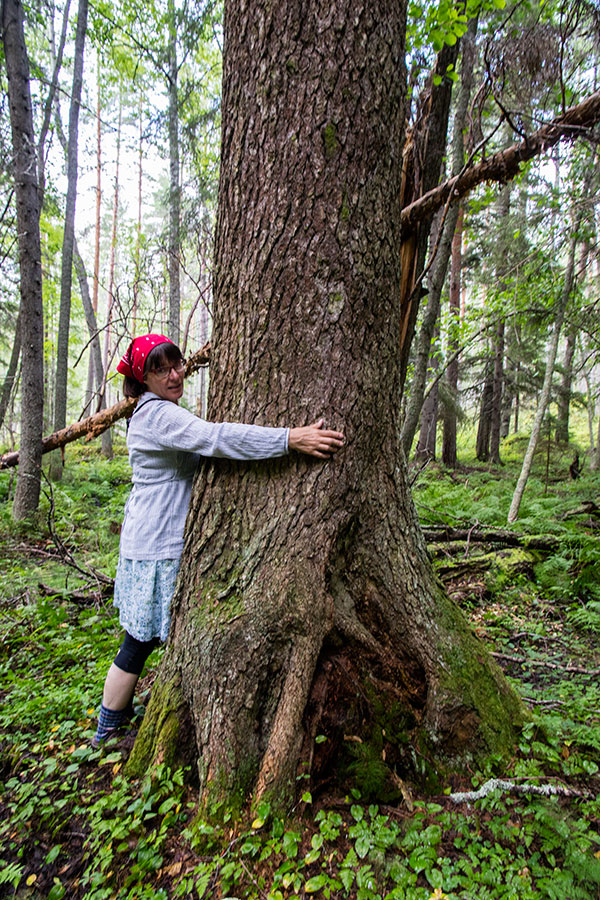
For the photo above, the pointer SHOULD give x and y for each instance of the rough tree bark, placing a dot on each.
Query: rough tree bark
(305, 591)
(27, 492)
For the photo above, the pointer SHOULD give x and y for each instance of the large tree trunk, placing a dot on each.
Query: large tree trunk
(27, 492)
(306, 598)
(66, 278)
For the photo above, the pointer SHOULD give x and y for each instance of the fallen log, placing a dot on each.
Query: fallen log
(514, 560)
(94, 425)
(446, 534)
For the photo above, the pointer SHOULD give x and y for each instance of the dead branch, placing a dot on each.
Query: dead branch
(498, 784)
(577, 670)
(587, 508)
(505, 165)
(81, 598)
(94, 425)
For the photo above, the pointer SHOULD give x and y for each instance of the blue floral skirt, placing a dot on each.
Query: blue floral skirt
(143, 592)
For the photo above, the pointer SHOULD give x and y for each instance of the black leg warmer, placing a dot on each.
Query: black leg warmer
(133, 654)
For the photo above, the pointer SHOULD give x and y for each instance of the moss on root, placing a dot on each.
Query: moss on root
(160, 736)
(487, 714)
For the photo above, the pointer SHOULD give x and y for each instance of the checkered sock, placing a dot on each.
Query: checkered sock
(108, 720)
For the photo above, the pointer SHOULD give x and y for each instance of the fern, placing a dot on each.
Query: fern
(11, 873)
(586, 617)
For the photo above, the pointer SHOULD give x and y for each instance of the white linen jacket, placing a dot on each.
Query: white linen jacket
(165, 444)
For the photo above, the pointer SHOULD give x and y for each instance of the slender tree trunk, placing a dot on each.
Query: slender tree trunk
(449, 417)
(174, 185)
(497, 392)
(551, 359)
(111, 299)
(306, 598)
(421, 167)
(62, 341)
(11, 373)
(90, 318)
(508, 396)
(426, 444)
(138, 233)
(49, 104)
(442, 257)
(561, 435)
(27, 491)
(482, 445)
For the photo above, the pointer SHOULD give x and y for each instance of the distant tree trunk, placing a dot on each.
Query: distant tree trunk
(111, 299)
(174, 182)
(11, 373)
(497, 392)
(107, 450)
(62, 341)
(561, 435)
(138, 233)
(426, 445)
(27, 492)
(552, 351)
(305, 597)
(449, 416)
(482, 444)
(423, 158)
(440, 263)
(49, 104)
(91, 322)
(507, 401)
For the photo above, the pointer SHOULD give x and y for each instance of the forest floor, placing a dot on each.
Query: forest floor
(72, 825)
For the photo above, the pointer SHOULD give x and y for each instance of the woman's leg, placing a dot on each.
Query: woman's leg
(120, 684)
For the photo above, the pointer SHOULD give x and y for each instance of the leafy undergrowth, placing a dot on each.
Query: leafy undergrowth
(73, 826)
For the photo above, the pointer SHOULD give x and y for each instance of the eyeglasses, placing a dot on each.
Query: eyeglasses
(163, 372)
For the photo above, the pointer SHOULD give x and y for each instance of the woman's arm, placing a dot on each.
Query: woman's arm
(315, 440)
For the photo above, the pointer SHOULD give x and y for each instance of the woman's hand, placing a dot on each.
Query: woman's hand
(315, 441)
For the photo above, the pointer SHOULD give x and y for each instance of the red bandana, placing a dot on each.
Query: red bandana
(134, 357)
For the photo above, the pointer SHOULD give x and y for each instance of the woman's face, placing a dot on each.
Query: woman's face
(166, 382)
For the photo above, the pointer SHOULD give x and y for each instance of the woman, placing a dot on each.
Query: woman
(165, 444)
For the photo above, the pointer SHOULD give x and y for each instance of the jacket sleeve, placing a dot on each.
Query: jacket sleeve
(174, 427)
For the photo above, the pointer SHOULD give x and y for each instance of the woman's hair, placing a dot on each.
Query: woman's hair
(161, 355)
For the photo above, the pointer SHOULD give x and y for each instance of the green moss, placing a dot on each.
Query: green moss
(330, 140)
(228, 789)
(490, 713)
(291, 65)
(335, 305)
(157, 741)
(345, 210)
